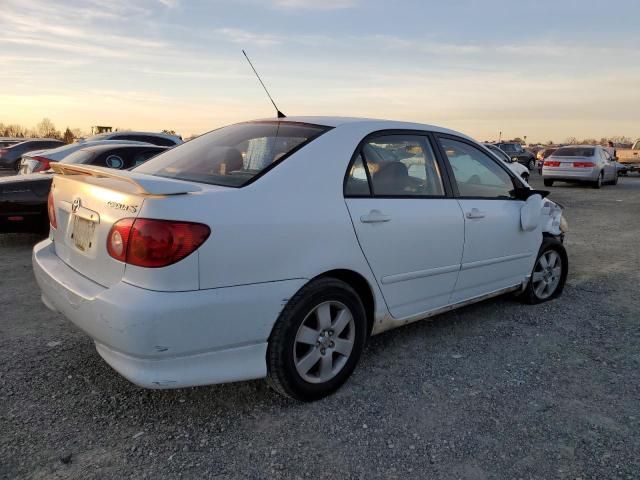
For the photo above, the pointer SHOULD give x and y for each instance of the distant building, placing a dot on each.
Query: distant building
(100, 129)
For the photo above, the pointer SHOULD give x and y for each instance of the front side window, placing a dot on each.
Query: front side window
(232, 156)
(402, 165)
(476, 173)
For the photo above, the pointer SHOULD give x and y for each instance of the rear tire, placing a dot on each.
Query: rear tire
(598, 183)
(317, 341)
(549, 273)
(17, 165)
(548, 183)
(615, 179)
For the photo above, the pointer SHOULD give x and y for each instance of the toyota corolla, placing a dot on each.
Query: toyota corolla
(275, 248)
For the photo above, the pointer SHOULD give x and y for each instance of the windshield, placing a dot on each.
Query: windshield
(232, 156)
(636, 146)
(574, 152)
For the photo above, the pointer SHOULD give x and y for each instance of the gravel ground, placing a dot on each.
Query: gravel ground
(495, 390)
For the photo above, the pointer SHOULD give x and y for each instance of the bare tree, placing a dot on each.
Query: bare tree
(46, 129)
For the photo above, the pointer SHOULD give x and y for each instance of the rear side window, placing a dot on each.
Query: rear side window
(233, 156)
(402, 165)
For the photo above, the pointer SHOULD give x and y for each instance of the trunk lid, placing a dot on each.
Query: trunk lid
(88, 201)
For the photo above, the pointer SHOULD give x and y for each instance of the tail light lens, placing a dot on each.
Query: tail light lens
(145, 242)
(43, 163)
(584, 164)
(51, 210)
(550, 163)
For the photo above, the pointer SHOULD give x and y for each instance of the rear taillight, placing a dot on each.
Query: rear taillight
(584, 164)
(51, 210)
(3, 151)
(43, 163)
(153, 243)
(550, 163)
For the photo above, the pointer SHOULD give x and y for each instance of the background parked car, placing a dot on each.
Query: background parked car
(11, 156)
(542, 154)
(580, 163)
(8, 141)
(39, 160)
(162, 139)
(516, 167)
(23, 198)
(516, 152)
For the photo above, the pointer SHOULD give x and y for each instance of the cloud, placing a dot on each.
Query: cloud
(314, 4)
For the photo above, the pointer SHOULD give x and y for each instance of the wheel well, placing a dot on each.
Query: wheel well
(362, 288)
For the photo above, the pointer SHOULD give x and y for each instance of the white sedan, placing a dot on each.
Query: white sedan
(275, 248)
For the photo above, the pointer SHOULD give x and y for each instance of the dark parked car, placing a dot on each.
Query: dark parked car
(11, 156)
(23, 198)
(516, 152)
(8, 141)
(542, 154)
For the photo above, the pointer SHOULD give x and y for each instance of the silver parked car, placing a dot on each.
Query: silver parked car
(580, 164)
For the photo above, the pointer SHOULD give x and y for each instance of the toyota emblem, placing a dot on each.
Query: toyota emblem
(75, 205)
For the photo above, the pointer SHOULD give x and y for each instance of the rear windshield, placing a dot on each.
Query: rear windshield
(232, 156)
(79, 156)
(574, 152)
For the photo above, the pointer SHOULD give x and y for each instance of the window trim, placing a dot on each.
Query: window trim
(428, 137)
(515, 181)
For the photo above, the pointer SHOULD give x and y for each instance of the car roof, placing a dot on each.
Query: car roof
(115, 145)
(132, 132)
(375, 123)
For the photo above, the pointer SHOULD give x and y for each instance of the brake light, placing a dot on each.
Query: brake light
(146, 242)
(584, 164)
(43, 163)
(551, 163)
(51, 210)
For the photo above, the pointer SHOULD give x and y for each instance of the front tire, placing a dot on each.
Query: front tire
(548, 183)
(549, 272)
(531, 165)
(317, 341)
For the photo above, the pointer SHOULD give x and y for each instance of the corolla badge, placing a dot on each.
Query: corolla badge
(123, 206)
(75, 205)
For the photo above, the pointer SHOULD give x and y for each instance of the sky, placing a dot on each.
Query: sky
(545, 69)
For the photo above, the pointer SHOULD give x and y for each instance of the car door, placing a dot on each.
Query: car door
(408, 224)
(498, 253)
(610, 170)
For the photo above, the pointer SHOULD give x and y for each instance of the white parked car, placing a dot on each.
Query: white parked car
(154, 138)
(515, 166)
(587, 164)
(275, 248)
(39, 160)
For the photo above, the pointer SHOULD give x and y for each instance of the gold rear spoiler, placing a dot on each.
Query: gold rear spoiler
(144, 184)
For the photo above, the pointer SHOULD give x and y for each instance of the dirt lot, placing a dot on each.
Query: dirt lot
(496, 390)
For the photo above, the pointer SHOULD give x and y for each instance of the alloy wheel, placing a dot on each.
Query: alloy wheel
(324, 342)
(547, 274)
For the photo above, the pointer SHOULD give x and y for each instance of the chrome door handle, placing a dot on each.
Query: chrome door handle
(475, 213)
(375, 216)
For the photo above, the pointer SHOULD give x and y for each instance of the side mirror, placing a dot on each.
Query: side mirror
(531, 212)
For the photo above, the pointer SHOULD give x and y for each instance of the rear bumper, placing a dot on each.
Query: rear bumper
(586, 175)
(167, 339)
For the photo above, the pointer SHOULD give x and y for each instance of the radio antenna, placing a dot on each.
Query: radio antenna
(280, 114)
